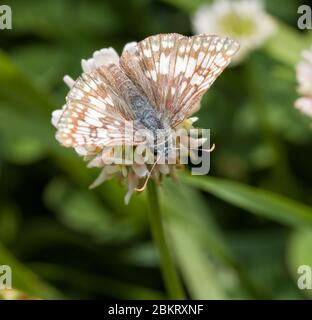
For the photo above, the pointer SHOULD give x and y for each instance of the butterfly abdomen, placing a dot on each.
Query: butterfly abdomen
(143, 111)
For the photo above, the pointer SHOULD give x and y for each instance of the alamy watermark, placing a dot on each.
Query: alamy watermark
(305, 19)
(5, 17)
(161, 146)
(305, 277)
(5, 277)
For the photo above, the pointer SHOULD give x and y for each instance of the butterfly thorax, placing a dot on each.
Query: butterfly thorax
(144, 113)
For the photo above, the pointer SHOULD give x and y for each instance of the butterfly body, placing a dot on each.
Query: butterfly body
(154, 123)
(144, 113)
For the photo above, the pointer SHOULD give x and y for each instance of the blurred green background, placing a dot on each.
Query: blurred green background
(240, 232)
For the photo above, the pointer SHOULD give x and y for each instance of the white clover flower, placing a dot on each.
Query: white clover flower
(304, 78)
(134, 173)
(14, 294)
(142, 90)
(243, 20)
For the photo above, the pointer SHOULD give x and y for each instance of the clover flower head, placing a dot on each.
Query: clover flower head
(105, 157)
(131, 115)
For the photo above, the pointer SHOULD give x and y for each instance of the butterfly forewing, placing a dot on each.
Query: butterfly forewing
(175, 71)
(148, 63)
(201, 60)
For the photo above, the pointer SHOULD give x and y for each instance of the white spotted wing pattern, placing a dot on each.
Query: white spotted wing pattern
(175, 71)
(171, 70)
(94, 115)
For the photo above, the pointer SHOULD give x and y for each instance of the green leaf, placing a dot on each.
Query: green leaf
(261, 202)
(186, 5)
(183, 199)
(50, 19)
(287, 44)
(12, 80)
(82, 211)
(24, 279)
(32, 60)
(26, 145)
(198, 245)
(84, 281)
(196, 266)
(300, 253)
(9, 223)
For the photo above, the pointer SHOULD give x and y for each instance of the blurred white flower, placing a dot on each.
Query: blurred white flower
(134, 173)
(13, 294)
(304, 78)
(243, 20)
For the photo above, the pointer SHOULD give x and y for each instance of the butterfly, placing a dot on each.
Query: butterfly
(156, 84)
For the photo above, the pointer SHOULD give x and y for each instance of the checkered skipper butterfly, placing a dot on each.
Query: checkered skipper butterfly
(156, 84)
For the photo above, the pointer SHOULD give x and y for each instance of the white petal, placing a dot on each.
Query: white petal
(112, 169)
(69, 81)
(193, 119)
(86, 65)
(164, 168)
(124, 171)
(101, 57)
(304, 105)
(132, 184)
(96, 162)
(211, 19)
(100, 179)
(104, 57)
(196, 143)
(140, 170)
(129, 46)
(81, 151)
(56, 115)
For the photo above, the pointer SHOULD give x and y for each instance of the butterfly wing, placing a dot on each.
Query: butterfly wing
(147, 64)
(95, 115)
(175, 71)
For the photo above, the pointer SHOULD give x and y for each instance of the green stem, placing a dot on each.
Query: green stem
(170, 275)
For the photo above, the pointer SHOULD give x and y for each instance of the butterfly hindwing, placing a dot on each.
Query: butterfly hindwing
(93, 115)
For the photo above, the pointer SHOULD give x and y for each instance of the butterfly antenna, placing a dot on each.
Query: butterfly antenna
(206, 150)
(148, 177)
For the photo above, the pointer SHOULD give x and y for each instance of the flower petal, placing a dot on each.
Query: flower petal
(132, 184)
(95, 162)
(243, 20)
(304, 105)
(69, 81)
(56, 115)
(164, 168)
(129, 46)
(140, 170)
(100, 58)
(103, 176)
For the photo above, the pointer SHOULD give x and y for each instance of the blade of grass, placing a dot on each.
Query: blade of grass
(261, 202)
(24, 279)
(186, 208)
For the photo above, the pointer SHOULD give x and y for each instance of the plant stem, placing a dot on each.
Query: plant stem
(169, 272)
